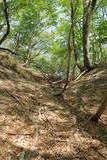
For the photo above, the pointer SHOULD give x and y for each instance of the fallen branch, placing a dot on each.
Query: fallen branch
(83, 73)
(10, 94)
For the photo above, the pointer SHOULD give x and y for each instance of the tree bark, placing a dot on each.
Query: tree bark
(68, 61)
(69, 55)
(89, 7)
(71, 39)
(73, 22)
(7, 22)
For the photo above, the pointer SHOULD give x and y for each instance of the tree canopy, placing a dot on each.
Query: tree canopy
(53, 34)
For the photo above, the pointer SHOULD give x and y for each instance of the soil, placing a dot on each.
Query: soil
(36, 125)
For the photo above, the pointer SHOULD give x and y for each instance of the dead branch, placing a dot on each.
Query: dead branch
(14, 97)
(8, 50)
(83, 73)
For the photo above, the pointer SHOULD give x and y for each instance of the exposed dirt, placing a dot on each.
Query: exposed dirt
(35, 125)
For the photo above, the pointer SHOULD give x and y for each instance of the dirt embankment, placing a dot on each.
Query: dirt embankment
(35, 125)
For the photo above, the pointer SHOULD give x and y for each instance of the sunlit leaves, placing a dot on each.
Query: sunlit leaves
(42, 26)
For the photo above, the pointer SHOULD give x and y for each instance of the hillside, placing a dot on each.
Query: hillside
(35, 125)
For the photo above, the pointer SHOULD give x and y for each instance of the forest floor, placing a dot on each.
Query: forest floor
(35, 125)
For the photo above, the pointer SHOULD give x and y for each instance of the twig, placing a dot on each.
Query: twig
(14, 134)
(7, 49)
(80, 75)
(10, 94)
(101, 155)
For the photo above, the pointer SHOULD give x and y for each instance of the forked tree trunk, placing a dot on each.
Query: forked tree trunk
(100, 110)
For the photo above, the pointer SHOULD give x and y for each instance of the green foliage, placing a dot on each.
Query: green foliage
(40, 30)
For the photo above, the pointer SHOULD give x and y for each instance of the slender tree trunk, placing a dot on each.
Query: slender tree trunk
(7, 22)
(88, 6)
(101, 55)
(74, 7)
(94, 53)
(71, 39)
(100, 110)
(8, 28)
(86, 23)
(68, 61)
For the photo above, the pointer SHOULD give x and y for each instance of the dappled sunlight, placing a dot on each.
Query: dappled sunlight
(53, 80)
(35, 123)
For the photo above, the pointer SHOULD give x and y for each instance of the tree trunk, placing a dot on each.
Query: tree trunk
(88, 12)
(74, 7)
(71, 39)
(68, 61)
(7, 22)
(86, 24)
(100, 110)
